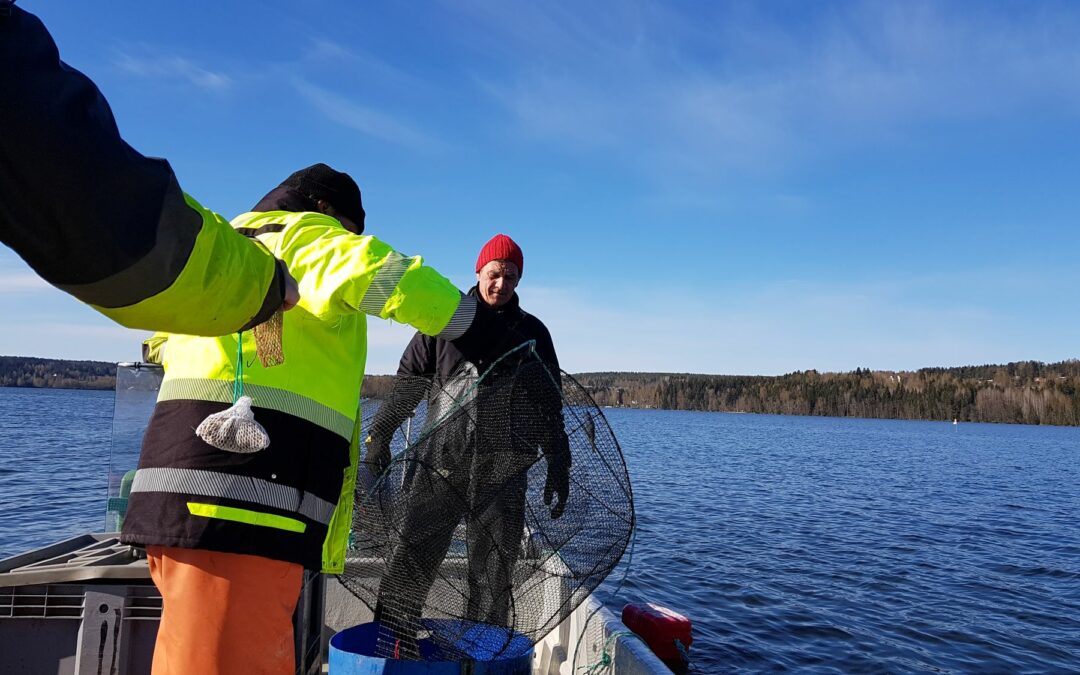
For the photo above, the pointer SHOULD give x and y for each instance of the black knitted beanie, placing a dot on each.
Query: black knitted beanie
(319, 181)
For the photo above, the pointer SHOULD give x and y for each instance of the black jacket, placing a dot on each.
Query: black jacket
(431, 359)
(428, 356)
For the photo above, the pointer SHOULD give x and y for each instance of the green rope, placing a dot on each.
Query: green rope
(238, 380)
(684, 651)
(606, 660)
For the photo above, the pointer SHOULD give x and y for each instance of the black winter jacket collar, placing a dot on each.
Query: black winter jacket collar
(428, 356)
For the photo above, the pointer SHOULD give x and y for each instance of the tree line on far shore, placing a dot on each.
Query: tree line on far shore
(1025, 392)
(22, 371)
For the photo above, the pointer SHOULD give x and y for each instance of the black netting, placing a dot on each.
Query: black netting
(463, 546)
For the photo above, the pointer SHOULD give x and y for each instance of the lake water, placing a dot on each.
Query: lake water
(793, 543)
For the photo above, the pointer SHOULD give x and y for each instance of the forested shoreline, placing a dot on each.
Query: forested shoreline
(1024, 392)
(24, 371)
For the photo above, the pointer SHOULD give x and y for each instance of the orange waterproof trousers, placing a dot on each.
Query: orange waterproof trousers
(223, 613)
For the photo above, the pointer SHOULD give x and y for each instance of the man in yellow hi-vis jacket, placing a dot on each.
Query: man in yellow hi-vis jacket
(98, 220)
(228, 534)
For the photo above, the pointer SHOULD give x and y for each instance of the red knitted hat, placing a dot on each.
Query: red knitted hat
(501, 247)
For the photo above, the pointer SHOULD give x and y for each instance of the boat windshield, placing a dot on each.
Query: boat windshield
(136, 392)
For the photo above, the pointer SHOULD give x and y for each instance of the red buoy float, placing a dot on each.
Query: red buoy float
(660, 628)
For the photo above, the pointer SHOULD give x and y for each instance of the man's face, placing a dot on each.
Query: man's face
(497, 281)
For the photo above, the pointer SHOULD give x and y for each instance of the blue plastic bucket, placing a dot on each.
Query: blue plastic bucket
(352, 651)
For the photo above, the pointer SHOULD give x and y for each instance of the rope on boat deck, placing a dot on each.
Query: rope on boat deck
(605, 660)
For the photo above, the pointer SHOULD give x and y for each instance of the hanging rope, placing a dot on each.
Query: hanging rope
(685, 653)
(238, 377)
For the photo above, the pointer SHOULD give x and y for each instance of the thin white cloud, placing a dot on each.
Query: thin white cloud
(364, 119)
(732, 90)
(322, 48)
(95, 340)
(375, 74)
(797, 325)
(81, 330)
(173, 68)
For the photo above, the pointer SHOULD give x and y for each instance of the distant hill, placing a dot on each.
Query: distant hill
(1024, 392)
(26, 371)
(22, 371)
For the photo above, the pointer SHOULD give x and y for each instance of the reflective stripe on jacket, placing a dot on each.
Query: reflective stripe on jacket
(274, 503)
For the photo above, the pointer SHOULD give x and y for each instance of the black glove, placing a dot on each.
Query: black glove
(377, 456)
(558, 483)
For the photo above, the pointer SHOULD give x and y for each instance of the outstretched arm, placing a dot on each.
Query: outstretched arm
(343, 273)
(102, 222)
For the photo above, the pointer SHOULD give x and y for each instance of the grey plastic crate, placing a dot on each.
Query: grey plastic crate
(87, 606)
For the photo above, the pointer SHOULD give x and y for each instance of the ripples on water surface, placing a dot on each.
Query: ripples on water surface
(54, 457)
(794, 543)
(858, 545)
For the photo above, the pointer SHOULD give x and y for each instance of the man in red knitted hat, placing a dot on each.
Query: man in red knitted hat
(494, 524)
(498, 270)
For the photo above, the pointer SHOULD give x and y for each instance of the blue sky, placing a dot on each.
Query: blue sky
(739, 188)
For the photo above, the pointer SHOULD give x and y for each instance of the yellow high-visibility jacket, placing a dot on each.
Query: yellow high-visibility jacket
(292, 501)
(223, 283)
